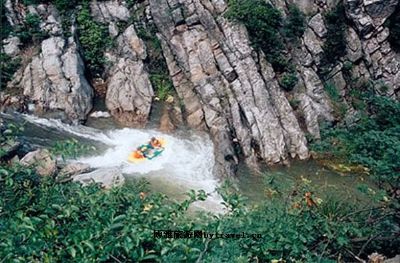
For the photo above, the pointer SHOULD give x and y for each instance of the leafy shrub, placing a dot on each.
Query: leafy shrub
(332, 91)
(5, 26)
(295, 25)
(94, 38)
(8, 66)
(30, 31)
(70, 149)
(162, 84)
(43, 221)
(288, 81)
(335, 44)
(263, 22)
(373, 141)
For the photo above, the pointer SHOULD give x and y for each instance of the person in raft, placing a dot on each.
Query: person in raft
(155, 143)
(141, 152)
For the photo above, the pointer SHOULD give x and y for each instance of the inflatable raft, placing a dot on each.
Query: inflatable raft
(148, 154)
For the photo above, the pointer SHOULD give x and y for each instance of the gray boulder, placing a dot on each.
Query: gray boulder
(106, 177)
(42, 161)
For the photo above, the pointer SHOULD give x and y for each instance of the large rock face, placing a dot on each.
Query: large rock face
(382, 63)
(223, 89)
(129, 91)
(54, 79)
(224, 85)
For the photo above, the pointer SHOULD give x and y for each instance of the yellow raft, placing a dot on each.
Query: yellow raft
(155, 152)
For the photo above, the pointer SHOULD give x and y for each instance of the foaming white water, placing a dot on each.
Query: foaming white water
(186, 163)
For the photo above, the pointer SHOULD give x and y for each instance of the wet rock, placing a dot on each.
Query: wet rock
(9, 149)
(70, 170)
(106, 177)
(42, 160)
(166, 123)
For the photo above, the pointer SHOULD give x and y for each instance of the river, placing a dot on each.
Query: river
(187, 162)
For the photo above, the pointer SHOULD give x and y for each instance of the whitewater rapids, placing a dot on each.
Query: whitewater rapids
(186, 163)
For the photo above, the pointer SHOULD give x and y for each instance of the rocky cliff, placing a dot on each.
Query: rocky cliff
(223, 84)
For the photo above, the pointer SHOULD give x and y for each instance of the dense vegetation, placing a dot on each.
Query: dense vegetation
(373, 141)
(335, 45)
(265, 26)
(94, 39)
(49, 222)
(45, 221)
(5, 26)
(8, 66)
(155, 62)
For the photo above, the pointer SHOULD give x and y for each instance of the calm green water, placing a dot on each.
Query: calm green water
(323, 182)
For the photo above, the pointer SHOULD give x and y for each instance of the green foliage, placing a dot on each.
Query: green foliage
(30, 31)
(5, 26)
(155, 62)
(162, 84)
(295, 25)
(263, 22)
(335, 44)
(373, 142)
(332, 91)
(8, 66)
(71, 148)
(131, 3)
(288, 81)
(43, 221)
(94, 39)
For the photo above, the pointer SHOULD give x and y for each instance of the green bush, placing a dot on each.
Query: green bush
(30, 31)
(5, 26)
(94, 39)
(43, 221)
(288, 81)
(332, 91)
(263, 22)
(295, 24)
(71, 149)
(8, 66)
(162, 84)
(374, 141)
(335, 44)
